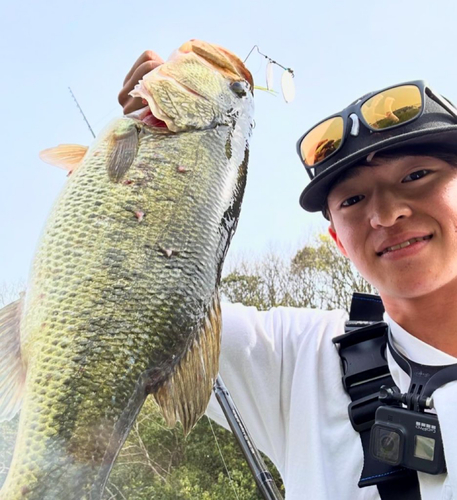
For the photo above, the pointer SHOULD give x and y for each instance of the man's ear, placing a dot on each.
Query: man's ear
(333, 234)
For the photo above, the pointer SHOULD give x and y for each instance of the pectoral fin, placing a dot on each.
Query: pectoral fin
(185, 395)
(12, 370)
(123, 147)
(66, 156)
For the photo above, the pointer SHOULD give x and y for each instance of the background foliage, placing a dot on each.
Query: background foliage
(159, 463)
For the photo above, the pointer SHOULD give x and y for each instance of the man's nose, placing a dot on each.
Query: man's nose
(386, 208)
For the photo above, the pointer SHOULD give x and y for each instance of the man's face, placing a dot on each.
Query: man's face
(397, 222)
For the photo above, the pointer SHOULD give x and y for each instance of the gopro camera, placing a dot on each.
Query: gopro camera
(408, 438)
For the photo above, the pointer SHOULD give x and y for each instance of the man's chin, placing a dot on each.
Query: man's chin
(410, 290)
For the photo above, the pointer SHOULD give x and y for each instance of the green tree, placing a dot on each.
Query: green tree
(157, 462)
(317, 276)
(331, 277)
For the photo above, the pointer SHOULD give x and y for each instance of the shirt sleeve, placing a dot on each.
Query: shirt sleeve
(257, 363)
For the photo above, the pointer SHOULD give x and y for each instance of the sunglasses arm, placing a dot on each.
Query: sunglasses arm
(444, 102)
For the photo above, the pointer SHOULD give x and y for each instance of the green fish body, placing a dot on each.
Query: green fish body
(123, 300)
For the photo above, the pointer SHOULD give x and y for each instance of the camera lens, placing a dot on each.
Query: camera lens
(386, 445)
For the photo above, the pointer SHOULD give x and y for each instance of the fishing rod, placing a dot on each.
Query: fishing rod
(262, 476)
(82, 112)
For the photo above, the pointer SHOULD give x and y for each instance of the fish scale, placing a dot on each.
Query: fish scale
(123, 300)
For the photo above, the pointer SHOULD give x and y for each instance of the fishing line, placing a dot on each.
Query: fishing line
(222, 456)
(116, 108)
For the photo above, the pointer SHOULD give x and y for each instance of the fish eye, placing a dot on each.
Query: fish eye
(238, 88)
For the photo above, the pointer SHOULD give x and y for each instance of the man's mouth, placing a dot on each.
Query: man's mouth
(404, 244)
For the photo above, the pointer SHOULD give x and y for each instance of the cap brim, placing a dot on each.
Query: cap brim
(314, 195)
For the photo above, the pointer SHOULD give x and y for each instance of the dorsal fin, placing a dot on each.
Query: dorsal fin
(12, 369)
(66, 156)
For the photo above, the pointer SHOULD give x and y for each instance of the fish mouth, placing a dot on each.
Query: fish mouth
(151, 115)
(218, 58)
(148, 118)
(154, 116)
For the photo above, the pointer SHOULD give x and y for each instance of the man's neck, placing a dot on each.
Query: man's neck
(431, 318)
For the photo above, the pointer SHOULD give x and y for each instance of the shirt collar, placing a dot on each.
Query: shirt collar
(416, 349)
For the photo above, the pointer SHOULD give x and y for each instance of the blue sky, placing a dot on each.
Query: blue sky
(338, 49)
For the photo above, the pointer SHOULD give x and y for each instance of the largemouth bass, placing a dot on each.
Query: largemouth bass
(122, 301)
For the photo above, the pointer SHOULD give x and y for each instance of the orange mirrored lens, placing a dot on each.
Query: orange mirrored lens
(322, 141)
(392, 107)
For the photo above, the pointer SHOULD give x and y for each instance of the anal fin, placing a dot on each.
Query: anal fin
(12, 370)
(185, 395)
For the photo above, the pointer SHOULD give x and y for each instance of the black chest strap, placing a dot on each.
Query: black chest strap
(363, 354)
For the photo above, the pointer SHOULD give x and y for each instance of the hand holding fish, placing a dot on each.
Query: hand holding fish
(148, 61)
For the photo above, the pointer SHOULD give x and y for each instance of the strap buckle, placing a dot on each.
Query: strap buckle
(363, 354)
(362, 411)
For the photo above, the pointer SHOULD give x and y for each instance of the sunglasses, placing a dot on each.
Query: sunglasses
(378, 111)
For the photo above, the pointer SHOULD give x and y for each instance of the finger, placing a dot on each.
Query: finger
(146, 56)
(133, 104)
(138, 74)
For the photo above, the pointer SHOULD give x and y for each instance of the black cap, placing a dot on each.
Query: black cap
(434, 127)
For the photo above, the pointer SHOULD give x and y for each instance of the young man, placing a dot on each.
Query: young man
(384, 172)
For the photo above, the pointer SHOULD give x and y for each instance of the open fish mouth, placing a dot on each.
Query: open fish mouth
(153, 115)
(150, 120)
(214, 58)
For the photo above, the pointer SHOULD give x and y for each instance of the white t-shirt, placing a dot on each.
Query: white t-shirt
(283, 372)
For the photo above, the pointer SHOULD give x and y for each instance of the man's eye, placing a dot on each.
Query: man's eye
(414, 176)
(352, 200)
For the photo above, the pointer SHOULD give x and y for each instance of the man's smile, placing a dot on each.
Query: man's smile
(399, 242)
